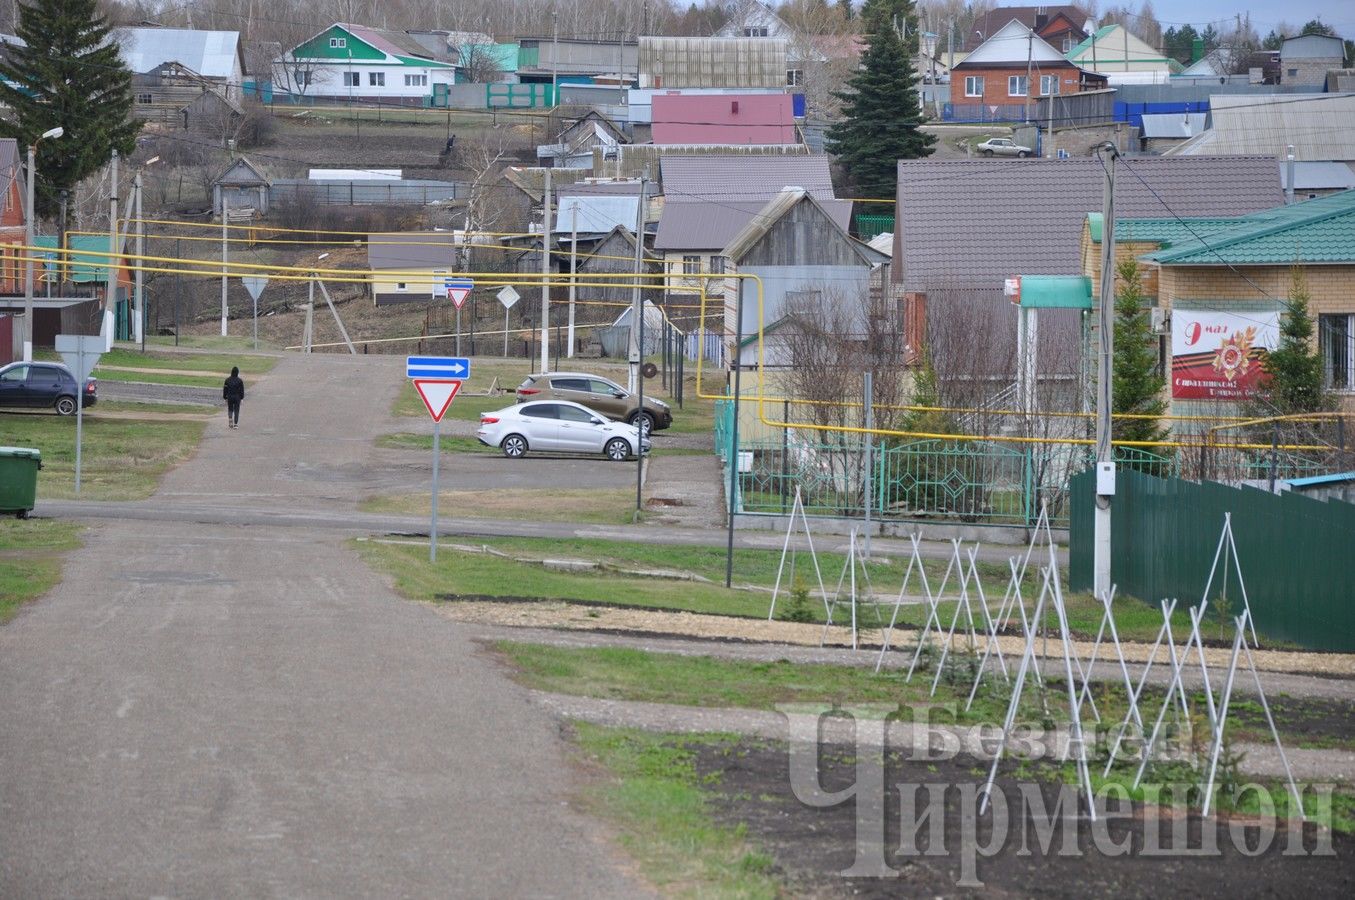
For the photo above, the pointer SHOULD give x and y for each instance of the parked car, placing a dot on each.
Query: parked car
(599, 394)
(557, 426)
(38, 385)
(1004, 147)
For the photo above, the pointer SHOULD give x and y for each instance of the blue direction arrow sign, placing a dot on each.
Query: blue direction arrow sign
(453, 367)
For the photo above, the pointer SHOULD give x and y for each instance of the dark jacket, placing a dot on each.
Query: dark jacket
(234, 389)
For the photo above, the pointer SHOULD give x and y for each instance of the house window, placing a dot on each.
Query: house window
(376, 79)
(416, 81)
(143, 99)
(1016, 85)
(338, 43)
(1067, 43)
(691, 265)
(401, 286)
(973, 86)
(795, 77)
(1293, 73)
(755, 31)
(352, 79)
(303, 77)
(1336, 343)
(717, 265)
(1049, 84)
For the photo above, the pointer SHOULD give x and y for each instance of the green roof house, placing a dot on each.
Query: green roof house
(355, 62)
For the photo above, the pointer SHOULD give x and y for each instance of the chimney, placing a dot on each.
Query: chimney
(1041, 20)
(1196, 50)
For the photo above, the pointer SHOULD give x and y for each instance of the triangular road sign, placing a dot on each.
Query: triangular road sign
(458, 295)
(437, 394)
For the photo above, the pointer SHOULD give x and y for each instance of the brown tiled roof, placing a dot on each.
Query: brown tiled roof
(972, 223)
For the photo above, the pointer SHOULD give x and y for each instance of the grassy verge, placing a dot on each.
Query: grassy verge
(138, 406)
(211, 364)
(449, 443)
(662, 808)
(30, 559)
(230, 343)
(203, 381)
(122, 459)
(583, 505)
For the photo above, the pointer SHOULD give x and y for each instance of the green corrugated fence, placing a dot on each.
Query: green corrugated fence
(1295, 552)
(868, 225)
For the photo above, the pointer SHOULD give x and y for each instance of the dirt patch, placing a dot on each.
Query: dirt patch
(751, 786)
(572, 616)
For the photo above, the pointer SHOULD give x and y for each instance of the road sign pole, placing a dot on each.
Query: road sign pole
(505, 332)
(458, 331)
(433, 527)
(256, 323)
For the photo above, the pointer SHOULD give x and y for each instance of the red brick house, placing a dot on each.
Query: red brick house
(991, 83)
(1063, 27)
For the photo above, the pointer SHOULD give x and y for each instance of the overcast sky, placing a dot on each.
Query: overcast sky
(1265, 14)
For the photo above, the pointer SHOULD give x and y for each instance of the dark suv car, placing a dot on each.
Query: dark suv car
(39, 385)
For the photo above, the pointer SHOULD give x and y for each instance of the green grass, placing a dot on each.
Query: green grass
(213, 364)
(122, 459)
(663, 810)
(580, 505)
(203, 381)
(30, 559)
(465, 408)
(240, 343)
(448, 443)
(138, 406)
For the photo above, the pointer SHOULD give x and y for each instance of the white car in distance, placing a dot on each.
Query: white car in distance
(557, 426)
(1004, 147)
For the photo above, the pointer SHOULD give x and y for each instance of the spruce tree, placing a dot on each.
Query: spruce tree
(1294, 367)
(1137, 387)
(69, 74)
(881, 118)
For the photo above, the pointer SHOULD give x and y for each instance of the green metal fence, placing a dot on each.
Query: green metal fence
(869, 225)
(1294, 552)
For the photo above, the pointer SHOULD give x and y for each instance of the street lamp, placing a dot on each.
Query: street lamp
(308, 332)
(30, 241)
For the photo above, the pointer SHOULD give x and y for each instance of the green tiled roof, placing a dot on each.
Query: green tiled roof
(84, 265)
(1321, 230)
(1167, 232)
(1087, 43)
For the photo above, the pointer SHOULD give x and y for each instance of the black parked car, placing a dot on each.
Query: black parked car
(39, 385)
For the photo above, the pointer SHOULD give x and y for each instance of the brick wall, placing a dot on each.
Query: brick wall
(995, 83)
(1331, 288)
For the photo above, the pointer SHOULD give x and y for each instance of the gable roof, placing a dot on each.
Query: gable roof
(708, 199)
(241, 172)
(411, 250)
(1014, 43)
(395, 43)
(787, 199)
(723, 119)
(971, 223)
(1309, 176)
(212, 54)
(620, 231)
(1113, 45)
(596, 213)
(1321, 230)
(991, 22)
(1268, 123)
(531, 180)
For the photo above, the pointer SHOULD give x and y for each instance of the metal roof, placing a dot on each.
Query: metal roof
(396, 43)
(1321, 230)
(410, 250)
(708, 199)
(212, 54)
(1319, 176)
(87, 259)
(1173, 125)
(723, 119)
(597, 213)
(971, 223)
(1268, 123)
(1160, 231)
(762, 221)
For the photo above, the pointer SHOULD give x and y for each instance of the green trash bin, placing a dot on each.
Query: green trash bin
(19, 479)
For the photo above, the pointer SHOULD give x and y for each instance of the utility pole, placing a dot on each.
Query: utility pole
(545, 277)
(111, 286)
(637, 331)
(29, 241)
(1030, 59)
(1105, 463)
(225, 218)
(138, 297)
(1288, 173)
(573, 273)
(636, 350)
(554, 65)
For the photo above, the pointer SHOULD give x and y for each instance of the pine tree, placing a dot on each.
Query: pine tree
(1137, 387)
(1294, 367)
(881, 118)
(69, 74)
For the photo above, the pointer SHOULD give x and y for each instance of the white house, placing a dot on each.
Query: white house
(355, 62)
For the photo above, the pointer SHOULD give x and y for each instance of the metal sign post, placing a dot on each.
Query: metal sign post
(507, 296)
(255, 285)
(458, 289)
(81, 354)
(437, 379)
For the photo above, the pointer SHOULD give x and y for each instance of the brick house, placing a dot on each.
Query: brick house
(991, 83)
(1060, 26)
(1238, 272)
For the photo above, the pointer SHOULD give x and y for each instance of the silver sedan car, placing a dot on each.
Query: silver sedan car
(558, 426)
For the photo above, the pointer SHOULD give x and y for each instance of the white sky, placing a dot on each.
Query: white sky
(1265, 14)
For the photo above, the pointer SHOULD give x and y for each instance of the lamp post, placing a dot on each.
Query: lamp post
(138, 295)
(29, 240)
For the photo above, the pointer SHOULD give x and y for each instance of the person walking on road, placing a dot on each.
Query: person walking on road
(233, 391)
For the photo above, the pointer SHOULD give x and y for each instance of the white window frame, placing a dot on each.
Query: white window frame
(376, 79)
(401, 286)
(416, 81)
(973, 85)
(795, 77)
(1015, 81)
(337, 43)
(352, 79)
(1049, 85)
(1325, 348)
(717, 265)
(755, 31)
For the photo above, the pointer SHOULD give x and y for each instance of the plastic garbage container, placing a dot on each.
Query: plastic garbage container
(19, 479)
